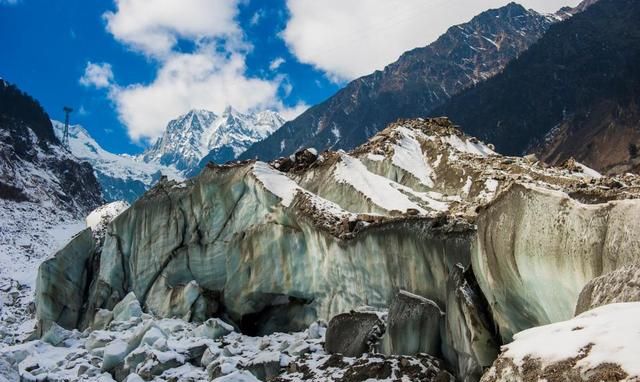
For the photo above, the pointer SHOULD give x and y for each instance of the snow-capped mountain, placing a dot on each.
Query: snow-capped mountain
(200, 134)
(122, 176)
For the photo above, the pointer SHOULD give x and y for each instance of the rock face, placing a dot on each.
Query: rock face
(419, 81)
(412, 209)
(621, 285)
(598, 345)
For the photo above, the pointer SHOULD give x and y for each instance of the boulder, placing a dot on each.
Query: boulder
(56, 335)
(127, 308)
(413, 325)
(213, 328)
(265, 366)
(101, 319)
(353, 334)
(621, 285)
(114, 354)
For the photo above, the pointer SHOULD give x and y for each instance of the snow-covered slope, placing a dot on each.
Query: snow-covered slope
(122, 176)
(201, 133)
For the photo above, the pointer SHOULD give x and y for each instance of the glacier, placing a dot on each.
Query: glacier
(274, 247)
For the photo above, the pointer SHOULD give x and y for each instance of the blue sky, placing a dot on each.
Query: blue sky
(128, 66)
(47, 44)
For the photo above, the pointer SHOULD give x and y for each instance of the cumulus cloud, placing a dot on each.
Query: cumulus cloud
(348, 39)
(290, 113)
(98, 75)
(276, 62)
(210, 77)
(153, 27)
(203, 80)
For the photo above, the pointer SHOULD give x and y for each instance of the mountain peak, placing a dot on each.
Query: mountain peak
(192, 136)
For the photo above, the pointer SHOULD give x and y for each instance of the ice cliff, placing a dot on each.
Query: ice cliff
(420, 208)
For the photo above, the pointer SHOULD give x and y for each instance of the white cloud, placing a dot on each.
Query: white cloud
(185, 81)
(97, 75)
(211, 77)
(348, 39)
(153, 27)
(276, 62)
(290, 113)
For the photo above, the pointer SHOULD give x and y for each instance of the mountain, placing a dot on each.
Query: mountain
(575, 93)
(419, 81)
(413, 257)
(121, 176)
(45, 192)
(193, 139)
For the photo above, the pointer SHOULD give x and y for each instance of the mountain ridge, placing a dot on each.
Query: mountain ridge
(199, 134)
(417, 82)
(583, 102)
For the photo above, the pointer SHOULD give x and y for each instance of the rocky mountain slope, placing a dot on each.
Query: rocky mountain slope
(45, 192)
(476, 240)
(121, 176)
(200, 136)
(583, 102)
(419, 81)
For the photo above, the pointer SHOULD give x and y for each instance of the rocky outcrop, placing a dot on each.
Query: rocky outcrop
(419, 81)
(621, 285)
(421, 207)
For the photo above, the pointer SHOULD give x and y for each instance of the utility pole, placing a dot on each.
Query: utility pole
(65, 135)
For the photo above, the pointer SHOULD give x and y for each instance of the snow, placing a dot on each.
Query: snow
(467, 146)
(589, 172)
(612, 329)
(379, 189)
(409, 157)
(276, 182)
(375, 157)
(120, 166)
(103, 215)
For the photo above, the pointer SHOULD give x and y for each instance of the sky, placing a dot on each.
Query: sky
(127, 67)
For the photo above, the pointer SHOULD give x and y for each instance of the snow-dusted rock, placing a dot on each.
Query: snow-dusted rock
(56, 335)
(265, 366)
(621, 285)
(599, 345)
(213, 328)
(98, 219)
(128, 308)
(114, 354)
(101, 319)
(237, 376)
